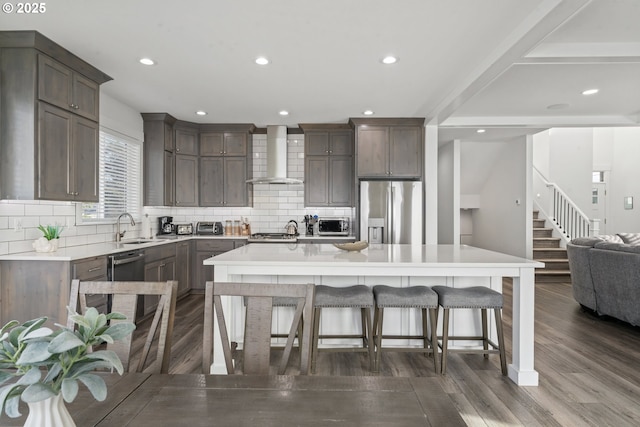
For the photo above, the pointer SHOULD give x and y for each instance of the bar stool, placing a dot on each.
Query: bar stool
(357, 296)
(421, 297)
(478, 297)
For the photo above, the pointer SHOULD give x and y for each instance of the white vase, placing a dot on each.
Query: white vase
(50, 412)
(44, 245)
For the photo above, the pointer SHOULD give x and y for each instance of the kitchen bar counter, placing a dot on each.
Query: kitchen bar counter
(394, 265)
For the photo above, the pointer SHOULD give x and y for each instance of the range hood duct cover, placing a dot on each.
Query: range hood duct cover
(276, 158)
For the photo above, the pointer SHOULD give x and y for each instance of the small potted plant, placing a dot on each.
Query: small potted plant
(50, 239)
(48, 365)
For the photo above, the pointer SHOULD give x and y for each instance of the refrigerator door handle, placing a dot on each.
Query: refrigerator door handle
(390, 205)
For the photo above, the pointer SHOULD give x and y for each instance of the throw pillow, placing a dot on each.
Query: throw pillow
(630, 238)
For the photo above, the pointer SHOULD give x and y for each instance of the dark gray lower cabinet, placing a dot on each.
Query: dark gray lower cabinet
(183, 266)
(95, 270)
(160, 266)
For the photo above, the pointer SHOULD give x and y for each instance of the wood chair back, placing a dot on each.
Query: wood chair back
(124, 300)
(257, 331)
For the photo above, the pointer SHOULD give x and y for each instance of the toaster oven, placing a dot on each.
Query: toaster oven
(333, 226)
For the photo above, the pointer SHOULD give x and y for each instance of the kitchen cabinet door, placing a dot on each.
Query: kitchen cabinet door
(186, 178)
(60, 86)
(316, 190)
(67, 156)
(157, 271)
(211, 181)
(92, 269)
(340, 181)
(373, 151)
(235, 185)
(405, 152)
(223, 144)
(316, 143)
(183, 267)
(186, 141)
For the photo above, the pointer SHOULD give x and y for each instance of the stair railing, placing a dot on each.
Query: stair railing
(566, 216)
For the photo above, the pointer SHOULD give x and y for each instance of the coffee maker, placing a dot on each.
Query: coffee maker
(165, 225)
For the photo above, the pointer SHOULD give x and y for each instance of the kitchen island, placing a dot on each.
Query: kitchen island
(394, 265)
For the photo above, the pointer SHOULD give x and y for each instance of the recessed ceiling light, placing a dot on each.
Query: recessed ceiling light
(368, 113)
(284, 113)
(147, 61)
(590, 92)
(262, 60)
(201, 113)
(389, 60)
(481, 131)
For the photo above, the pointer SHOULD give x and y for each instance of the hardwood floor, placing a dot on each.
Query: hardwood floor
(588, 366)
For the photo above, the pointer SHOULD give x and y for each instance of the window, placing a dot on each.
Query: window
(119, 178)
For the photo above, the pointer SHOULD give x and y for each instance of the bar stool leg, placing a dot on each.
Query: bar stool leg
(485, 333)
(316, 334)
(445, 339)
(367, 331)
(500, 331)
(433, 318)
(425, 338)
(377, 331)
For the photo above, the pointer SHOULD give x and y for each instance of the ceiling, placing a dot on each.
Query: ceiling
(508, 66)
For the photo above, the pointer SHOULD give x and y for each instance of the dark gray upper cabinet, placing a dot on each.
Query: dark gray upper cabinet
(328, 167)
(66, 139)
(186, 164)
(186, 185)
(64, 88)
(389, 148)
(49, 114)
(225, 165)
(186, 140)
(159, 159)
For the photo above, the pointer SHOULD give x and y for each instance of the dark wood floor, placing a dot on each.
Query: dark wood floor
(589, 367)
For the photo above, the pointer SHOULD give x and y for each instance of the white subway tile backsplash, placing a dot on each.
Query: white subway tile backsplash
(273, 206)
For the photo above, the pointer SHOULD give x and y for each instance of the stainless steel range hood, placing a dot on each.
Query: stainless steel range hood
(276, 158)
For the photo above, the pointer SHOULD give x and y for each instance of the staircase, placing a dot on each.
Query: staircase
(547, 249)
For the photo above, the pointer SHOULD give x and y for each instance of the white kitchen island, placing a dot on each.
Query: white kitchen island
(394, 265)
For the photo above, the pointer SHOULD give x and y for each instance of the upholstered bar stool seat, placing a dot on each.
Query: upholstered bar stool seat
(476, 297)
(357, 296)
(418, 297)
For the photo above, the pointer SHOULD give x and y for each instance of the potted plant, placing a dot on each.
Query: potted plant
(48, 365)
(50, 239)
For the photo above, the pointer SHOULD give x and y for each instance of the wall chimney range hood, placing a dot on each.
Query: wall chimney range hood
(276, 158)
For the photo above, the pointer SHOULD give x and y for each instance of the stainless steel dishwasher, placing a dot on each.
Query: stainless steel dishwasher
(126, 267)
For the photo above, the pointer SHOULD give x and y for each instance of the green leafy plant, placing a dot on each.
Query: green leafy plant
(46, 362)
(51, 231)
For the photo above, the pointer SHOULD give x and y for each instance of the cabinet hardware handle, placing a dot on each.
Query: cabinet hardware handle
(177, 150)
(94, 269)
(76, 107)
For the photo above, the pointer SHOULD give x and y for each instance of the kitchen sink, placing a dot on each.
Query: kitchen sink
(135, 242)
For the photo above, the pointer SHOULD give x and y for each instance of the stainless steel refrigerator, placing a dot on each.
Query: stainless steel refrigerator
(391, 211)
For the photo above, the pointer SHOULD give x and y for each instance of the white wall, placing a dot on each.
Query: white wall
(500, 225)
(446, 184)
(571, 163)
(624, 181)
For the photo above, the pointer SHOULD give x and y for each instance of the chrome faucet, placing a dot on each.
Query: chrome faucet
(120, 235)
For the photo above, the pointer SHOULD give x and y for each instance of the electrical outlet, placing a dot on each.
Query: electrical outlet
(17, 224)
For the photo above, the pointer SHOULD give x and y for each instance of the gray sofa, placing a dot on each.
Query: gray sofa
(605, 274)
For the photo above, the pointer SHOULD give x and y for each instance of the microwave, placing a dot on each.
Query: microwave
(333, 226)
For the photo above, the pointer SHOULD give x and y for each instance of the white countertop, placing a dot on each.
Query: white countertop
(314, 254)
(74, 253)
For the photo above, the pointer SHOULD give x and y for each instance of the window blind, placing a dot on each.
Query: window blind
(119, 179)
